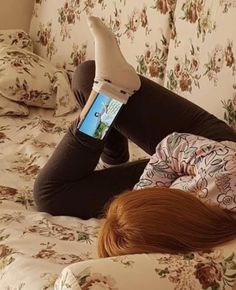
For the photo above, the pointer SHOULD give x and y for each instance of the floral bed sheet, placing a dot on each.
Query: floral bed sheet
(35, 247)
(43, 252)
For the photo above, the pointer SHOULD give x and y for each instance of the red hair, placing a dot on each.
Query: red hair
(162, 220)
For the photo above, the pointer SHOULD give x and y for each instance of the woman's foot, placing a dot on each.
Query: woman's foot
(111, 65)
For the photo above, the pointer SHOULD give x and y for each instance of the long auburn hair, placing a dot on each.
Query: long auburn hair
(162, 220)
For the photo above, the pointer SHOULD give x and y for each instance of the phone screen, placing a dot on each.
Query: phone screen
(100, 116)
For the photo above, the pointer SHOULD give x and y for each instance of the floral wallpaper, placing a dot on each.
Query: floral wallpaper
(201, 61)
(182, 46)
(60, 31)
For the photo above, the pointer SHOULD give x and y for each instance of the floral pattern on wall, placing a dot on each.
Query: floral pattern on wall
(230, 110)
(195, 12)
(68, 14)
(206, 74)
(153, 63)
(64, 31)
(45, 38)
(157, 37)
(185, 74)
(221, 58)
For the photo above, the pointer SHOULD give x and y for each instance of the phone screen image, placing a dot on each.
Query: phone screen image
(100, 116)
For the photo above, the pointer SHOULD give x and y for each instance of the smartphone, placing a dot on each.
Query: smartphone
(100, 116)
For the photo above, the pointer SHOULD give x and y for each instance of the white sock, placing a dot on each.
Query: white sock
(111, 65)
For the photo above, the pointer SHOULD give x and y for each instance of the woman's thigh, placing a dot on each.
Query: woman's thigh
(87, 196)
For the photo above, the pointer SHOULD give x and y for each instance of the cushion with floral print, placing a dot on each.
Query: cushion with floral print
(213, 269)
(9, 108)
(16, 38)
(29, 79)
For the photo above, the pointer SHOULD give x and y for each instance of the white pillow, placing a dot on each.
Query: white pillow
(29, 79)
(210, 270)
(16, 38)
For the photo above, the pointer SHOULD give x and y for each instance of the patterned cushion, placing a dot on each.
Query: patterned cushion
(9, 108)
(33, 81)
(202, 56)
(60, 32)
(206, 270)
(16, 38)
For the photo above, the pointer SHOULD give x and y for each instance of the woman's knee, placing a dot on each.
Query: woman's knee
(82, 81)
(43, 193)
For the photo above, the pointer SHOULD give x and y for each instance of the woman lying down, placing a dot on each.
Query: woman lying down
(182, 199)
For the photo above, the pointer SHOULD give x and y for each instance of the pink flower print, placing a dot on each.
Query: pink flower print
(4, 251)
(177, 70)
(208, 274)
(143, 16)
(194, 64)
(154, 68)
(97, 280)
(192, 14)
(162, 6)
(185, 82)
(229, 56)
(171, 3)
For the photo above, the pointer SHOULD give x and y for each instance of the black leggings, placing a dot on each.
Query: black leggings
(68, 184)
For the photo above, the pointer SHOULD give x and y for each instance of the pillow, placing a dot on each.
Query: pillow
(29, 79)
(9, 108)
(214, 269)
(16, 38)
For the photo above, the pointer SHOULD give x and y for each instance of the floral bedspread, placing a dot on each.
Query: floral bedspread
(35, 247)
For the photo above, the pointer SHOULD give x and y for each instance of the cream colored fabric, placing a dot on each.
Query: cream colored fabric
(60, 33)
(29, 79)
(10, 108)
(202, 57)
(36, 249)
(16, 38)
(154, 271)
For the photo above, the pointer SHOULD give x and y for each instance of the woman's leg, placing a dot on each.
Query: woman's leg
(116, 149)
(68, 183)
(151, 114)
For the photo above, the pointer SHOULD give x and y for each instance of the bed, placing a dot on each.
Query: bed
(43, 252)
(38, 250)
